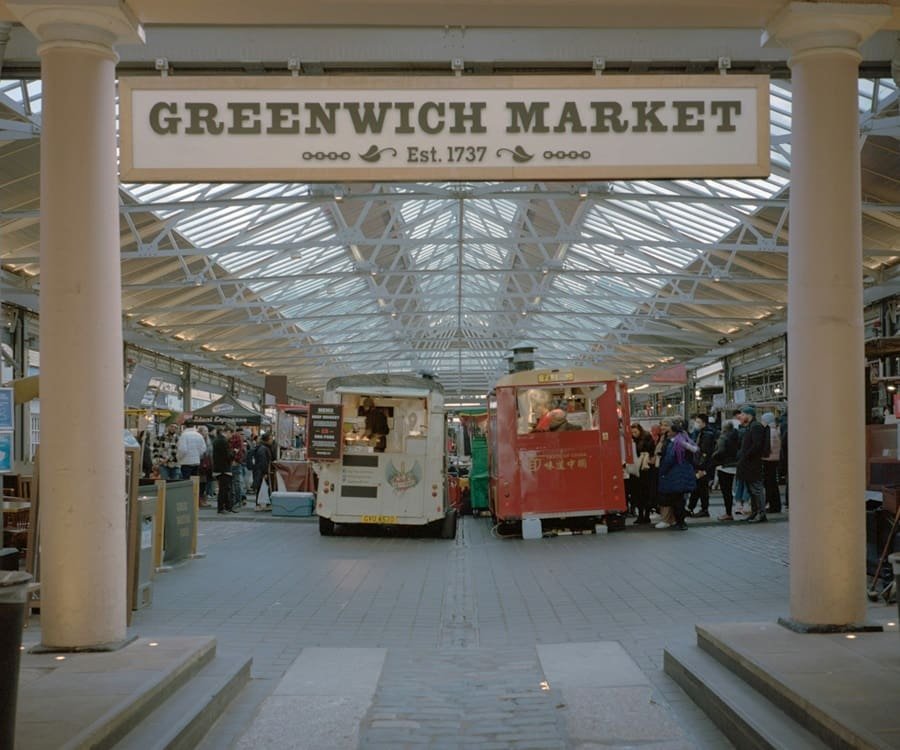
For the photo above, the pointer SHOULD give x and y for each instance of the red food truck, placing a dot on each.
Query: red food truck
(558, 440)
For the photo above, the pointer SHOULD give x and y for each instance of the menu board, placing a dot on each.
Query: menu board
(6, 409)
(179, 521)
(324, 432)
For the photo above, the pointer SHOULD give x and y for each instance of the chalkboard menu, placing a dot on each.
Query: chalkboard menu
(324, 432)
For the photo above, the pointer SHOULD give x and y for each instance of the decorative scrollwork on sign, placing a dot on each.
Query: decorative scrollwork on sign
(519, 154)
(326, 156)
(567, 154)
(374, 153)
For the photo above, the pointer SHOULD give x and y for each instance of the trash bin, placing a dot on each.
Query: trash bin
(13, 597)
(895, 562)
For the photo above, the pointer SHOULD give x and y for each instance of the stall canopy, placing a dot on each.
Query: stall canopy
(227, 410)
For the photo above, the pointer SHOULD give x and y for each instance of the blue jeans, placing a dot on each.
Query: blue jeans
(170, 473)
(237, 483)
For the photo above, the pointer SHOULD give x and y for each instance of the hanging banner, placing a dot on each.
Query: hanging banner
(452, 128)
(677, 374)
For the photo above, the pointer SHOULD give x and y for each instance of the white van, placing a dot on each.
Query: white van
(397, 478)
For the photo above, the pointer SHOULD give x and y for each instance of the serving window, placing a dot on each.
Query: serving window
(407, 420)
(577, 401)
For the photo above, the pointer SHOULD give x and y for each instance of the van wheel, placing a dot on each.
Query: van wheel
(326, 526)
(448, 526)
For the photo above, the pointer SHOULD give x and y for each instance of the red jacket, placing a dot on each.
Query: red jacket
(237, 446)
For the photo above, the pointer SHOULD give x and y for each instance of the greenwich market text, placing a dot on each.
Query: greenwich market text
(435, 117)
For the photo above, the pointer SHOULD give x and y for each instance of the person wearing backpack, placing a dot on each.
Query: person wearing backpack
(750, 463)
(771, 457)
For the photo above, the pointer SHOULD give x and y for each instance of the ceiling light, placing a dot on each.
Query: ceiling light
(776, 390)
(892, 387)
(582, 191)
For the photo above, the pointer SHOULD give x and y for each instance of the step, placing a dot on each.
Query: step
(120, 689)
(747, 718)
(182, 721)
(743, 648)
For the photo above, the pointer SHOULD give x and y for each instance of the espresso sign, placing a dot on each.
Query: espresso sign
(492, 128)
(324, 432)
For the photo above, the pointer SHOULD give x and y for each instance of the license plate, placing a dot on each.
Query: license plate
(379, 519)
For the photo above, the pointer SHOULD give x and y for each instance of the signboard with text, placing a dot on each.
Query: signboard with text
(443, 128)
(324, 432)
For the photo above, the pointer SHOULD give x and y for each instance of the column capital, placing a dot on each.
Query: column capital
(100, 23)
(807, 26)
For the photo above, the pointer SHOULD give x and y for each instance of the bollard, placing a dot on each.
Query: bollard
(13, 597)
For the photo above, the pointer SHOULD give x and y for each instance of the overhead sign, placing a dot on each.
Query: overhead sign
(452, 128)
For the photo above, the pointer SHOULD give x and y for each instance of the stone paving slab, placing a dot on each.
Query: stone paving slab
(319, 703)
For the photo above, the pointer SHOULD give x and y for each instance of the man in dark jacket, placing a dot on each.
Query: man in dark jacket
(749, 463)
(724, 459)
(706, 441)
(262, 458)
(221, 466)
(376, 425)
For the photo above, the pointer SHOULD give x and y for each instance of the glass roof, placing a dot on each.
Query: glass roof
(321, 280)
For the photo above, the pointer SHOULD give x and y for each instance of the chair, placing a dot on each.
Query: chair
(15, 528)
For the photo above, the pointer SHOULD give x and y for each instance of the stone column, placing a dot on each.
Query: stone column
(825, 304)
(82, 475)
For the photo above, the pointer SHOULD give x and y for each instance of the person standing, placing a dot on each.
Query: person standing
(165, 454)
(221, 460)
(667, 515)
(706, 442)
(262, 460)
(677, 475)
(725, 459)
(206, 473)
(640, 484)
(770, 463)
(238, 456)
(191, 447)
(376, 425)
(750, 464)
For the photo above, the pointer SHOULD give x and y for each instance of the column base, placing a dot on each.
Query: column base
(99, 648)
(806, 627)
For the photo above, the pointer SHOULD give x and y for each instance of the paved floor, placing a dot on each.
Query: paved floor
(454, 622)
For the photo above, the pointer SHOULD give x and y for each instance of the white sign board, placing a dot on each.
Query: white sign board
(453, 128)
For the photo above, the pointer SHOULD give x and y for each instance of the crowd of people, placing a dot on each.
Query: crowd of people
(229, 462)
(677, 464)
